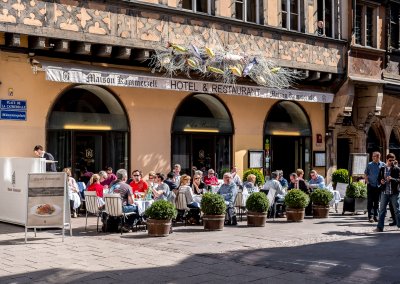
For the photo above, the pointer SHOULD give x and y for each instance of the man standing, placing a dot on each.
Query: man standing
(50, 166)
(389, 180)
(373, 192)
(228, 191)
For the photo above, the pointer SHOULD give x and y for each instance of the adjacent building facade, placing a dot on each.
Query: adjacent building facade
(75, 77)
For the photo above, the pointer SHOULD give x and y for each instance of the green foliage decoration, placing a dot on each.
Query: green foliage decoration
(212, 204)
(257, 202)
(296, 199)
(257, 172)
(161, 210)
(321, 197)
(356, 190)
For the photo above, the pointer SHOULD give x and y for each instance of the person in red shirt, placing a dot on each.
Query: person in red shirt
(211, 179)
(94, 185)
(138, 184)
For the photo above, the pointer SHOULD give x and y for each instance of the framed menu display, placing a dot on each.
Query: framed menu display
(48, 202)
(358, 163)
(319, 159)
(256, 158)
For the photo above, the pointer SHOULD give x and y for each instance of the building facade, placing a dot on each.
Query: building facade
(76, 78)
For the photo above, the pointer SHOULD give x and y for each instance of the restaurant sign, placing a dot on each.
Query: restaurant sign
(77, 74)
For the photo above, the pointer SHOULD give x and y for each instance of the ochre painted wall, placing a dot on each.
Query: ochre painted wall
(150, 113)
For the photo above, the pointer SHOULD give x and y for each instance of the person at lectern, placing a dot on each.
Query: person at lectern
(50, 167)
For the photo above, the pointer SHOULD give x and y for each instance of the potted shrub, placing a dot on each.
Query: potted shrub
(296, 201)
(257, 205)
(160, 214)
(340, 180)
(356, 198)
(258, 173)
(320, 199)
(213, 207)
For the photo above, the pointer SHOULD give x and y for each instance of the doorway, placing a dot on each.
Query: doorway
(202, 135)
(88, 151)
(343, 153)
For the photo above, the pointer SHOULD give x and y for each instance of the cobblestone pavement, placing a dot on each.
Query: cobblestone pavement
(339, 249)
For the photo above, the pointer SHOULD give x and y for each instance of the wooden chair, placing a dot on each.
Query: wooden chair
(113, 207)
(92, 206)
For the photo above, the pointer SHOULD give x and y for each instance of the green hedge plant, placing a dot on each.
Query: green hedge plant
(257, 202)
(212, 204)
(296, 199)
(258, 173)
(356, 190)
(161, 210)
(321, 197)
(340, 175)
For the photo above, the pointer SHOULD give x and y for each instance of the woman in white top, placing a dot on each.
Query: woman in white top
(162, 190)
(73, 192)
(184, 188)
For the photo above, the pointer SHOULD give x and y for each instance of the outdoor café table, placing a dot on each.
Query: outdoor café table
(143, 205)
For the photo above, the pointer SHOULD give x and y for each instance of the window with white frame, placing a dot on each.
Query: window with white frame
(365, 25)
(200, 6)
(249, 11)
(394, 26)
(327, 18)
(292, 13)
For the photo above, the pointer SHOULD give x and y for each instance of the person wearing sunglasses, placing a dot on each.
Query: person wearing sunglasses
(389, 179)
(138, 184)
(197, 185)
(316, 180)
(211, 179)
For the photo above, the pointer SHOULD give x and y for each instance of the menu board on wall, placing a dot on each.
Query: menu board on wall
(46, 200)
(256, 158)
(358, 163)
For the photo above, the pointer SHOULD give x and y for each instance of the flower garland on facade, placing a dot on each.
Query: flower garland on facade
(221, 65)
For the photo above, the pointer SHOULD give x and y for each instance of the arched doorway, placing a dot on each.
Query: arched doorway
(394, 143)
(87, 128)
(287, 139)
(375, 141)
(202, 134)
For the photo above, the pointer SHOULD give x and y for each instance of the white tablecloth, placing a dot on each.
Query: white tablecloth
(143, 205)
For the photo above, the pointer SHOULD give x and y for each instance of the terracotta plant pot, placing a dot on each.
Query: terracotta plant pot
(320, 211)
(256, 219)
(213, 222)
(158, 228)
(295, 215)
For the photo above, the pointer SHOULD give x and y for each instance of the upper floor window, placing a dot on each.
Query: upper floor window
(200, 6)
(394, 26)
(249, 11)
(292, 12)
(365, 25)
(326, 16)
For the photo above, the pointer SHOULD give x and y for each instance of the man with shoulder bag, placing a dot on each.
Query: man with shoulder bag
(388, 179)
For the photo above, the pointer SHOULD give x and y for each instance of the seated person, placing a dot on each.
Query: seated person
(279, 191)
(316, 180)
(184, 188)
(211, 179)
(282, 180)
(228, 190)
(162, 190)
(170, 181)
(138, 184)
(94, 185)
(120, 186)
(297, 183)
(250, 184)
(197, 185)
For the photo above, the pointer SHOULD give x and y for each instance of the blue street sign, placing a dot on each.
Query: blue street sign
(13, 105)
(12, 115)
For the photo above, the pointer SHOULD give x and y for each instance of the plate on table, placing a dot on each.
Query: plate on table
(45, 210)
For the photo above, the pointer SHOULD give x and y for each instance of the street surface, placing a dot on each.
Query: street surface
(340, 249)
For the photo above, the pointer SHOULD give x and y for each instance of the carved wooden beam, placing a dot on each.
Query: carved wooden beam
(83, 48)
(17, 40)
(39, 42)
(141, 54)
(121, 52)
(61, 45)
(102, 50)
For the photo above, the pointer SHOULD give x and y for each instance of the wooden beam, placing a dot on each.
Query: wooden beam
(121, 52)
(61, 45)
(103, 50)
(83, 48)
(17, 40)
(141, 54)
